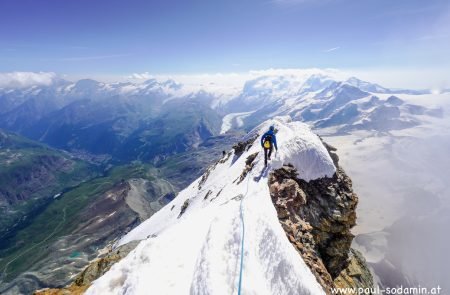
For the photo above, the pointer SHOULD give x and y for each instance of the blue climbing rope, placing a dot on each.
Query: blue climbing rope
(242, 249)
(241, 214)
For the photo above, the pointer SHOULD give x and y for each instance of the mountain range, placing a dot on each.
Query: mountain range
(69, 146)
(153, 119)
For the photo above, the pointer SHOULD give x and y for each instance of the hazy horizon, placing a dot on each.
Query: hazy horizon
(394, 79)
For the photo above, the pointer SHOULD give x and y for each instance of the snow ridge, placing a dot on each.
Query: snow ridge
(198, 251)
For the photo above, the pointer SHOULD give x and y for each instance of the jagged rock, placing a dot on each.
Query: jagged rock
(356, 274)
(218, 194)
(184, 207)
(70, 290)
(250, 159)
(225, 157)
(102, 265)
(334, 157)
(249, 163)
(207, 195)
(209, 170)
(317, 217)
(204, 178)
(331, 151)
(328, 146)
(242, 146)
(94, 270)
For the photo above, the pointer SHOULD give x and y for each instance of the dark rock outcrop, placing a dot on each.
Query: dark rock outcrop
(356, 274)
(95, 269)
(249, 163)
(242, 146)
(184, 207)
(317, 217)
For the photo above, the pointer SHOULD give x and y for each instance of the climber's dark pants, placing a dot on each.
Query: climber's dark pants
(267, 154)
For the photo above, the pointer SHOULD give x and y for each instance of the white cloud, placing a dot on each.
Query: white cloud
(228, 83)
(140, 76)
(26, 79)
(412, 78)
(302, 73)
(231, 83)
(332, 49)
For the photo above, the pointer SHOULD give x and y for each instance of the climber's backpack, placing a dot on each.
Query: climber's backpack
(267, 141)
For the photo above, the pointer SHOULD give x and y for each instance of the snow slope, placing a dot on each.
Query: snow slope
(199, 252)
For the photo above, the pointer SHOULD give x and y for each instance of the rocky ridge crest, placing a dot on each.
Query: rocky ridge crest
(317, 217)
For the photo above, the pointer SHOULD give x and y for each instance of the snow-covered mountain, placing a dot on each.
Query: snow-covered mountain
(325, 102)
(318, 97)
(284, 229)
(145, 120)
(155, 119)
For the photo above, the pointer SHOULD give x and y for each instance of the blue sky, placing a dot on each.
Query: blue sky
(109, 37)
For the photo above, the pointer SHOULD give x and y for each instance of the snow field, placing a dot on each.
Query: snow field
(199, 252)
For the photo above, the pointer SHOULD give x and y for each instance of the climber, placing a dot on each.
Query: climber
(268, 142)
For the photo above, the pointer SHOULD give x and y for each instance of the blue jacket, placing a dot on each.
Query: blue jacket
(274, 139)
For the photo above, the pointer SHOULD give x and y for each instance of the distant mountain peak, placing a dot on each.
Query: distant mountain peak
(366, 86)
